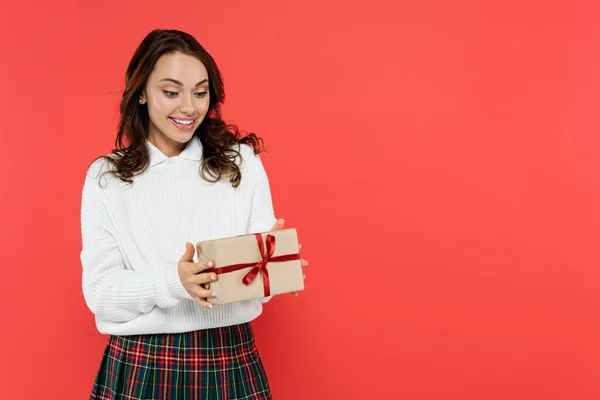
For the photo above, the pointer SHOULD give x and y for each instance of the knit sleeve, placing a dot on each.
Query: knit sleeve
(111, 291)
(262, 216)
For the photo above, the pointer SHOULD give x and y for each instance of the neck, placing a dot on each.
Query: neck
(167, 146)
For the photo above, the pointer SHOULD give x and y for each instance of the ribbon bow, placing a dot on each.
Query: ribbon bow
(262, 265)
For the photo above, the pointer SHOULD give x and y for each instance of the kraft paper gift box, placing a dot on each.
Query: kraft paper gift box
(253, 266)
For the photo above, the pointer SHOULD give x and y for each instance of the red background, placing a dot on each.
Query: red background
(440, 160)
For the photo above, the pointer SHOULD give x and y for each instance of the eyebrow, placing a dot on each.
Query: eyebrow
(175, 81)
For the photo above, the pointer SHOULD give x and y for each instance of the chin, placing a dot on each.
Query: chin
(182, 137)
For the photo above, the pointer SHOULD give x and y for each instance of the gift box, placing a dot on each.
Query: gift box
(253, 266)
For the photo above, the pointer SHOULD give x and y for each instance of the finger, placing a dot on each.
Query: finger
(278, 225)
(304, 262)
(294, 293)
(201, 279)
(203, 265)
(205, 303)
(202, 293)
(188, 256)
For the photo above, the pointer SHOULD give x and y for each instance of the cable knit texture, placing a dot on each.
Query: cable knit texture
(133, 237)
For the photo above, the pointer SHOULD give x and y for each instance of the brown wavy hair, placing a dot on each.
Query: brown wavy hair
(131, 156)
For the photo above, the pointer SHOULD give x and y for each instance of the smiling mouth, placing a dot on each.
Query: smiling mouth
(183, 124)
(183, 121)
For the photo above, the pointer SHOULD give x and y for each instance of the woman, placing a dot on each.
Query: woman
(181, 176)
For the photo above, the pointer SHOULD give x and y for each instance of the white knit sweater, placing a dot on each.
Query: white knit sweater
(133, 237)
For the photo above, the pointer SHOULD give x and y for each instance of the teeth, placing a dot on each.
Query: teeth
(182, 122)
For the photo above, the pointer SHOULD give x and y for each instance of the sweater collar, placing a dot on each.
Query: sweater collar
(192, 152)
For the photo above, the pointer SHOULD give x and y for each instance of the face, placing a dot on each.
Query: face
(177, 98)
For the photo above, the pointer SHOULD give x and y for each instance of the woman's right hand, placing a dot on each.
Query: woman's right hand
(193, 278)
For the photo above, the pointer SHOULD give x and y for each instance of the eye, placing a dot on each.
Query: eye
(201, 94)
(170, 94)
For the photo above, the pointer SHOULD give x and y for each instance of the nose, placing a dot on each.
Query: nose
(186, 106)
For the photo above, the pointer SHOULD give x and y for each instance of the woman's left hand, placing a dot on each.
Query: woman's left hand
(278, 226)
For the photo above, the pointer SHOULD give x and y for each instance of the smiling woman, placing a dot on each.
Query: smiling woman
(175, 108)
(173, 91)
(184, 123)
(162, 192)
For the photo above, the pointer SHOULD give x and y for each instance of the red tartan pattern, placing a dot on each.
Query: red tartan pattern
(220, 364)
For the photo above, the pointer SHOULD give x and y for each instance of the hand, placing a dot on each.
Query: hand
(279, 226)
(192, 277)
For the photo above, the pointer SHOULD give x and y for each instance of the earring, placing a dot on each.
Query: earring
(141, 101)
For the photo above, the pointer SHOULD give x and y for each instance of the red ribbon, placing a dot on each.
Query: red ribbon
(267, 257)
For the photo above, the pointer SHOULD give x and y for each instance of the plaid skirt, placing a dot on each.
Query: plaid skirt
(220, 363)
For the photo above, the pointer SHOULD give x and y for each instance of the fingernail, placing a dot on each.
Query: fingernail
(299, 246)
(213, 276)
(210, 306)
(211, 264)
(304, 276)
(281, 220)
(213, 294)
